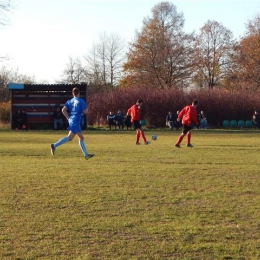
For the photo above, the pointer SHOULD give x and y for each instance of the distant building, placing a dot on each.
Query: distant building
(40, 100)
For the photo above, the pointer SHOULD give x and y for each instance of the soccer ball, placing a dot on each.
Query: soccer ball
(154, 137)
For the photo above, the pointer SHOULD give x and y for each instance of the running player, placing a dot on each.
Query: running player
(73, 110)
(134, 112)
(188, 115)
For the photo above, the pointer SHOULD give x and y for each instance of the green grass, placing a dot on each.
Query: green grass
(130, 202)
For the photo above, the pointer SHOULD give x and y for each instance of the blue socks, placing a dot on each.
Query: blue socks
(64, 140)
(61, 141)
(83, 147)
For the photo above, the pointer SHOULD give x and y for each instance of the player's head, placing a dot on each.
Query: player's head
(139, 102)
(195, 102)
(75, 92)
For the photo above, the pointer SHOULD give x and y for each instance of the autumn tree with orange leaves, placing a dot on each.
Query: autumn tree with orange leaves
(246, 59)
(161, 54)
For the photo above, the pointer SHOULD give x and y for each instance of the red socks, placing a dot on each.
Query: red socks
(188, 138)
(180, 139)
(137, 137)
(143, 136)
(138, 134)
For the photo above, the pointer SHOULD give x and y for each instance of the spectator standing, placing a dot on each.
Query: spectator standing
(120, 120)
(127, 122)
(203, 120)
(57, 119)
(170, 120)
(177, 124)
(24, 119)
(256, 119)
(17, 120)
(111, 118)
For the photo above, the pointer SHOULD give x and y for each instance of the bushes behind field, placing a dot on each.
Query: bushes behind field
(218, 105)
(5, 112)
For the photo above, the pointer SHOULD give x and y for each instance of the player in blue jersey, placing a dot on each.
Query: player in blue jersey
(73, 110)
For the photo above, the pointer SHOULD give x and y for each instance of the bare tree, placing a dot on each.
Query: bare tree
(104, 61)
(74, 72)
(5, 7)
(94, 67)
(213, 47)
(8, 76)
(253, 26)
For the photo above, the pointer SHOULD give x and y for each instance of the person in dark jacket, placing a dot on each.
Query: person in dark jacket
(57, 119)
(256, 119)
(111, 118)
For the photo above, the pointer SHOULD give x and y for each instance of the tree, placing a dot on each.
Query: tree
(104, 61)
(247, 57)
(253, 26)
(8, 76)
(75, 72)
(5, 7)
(160, 55)
(213, 48)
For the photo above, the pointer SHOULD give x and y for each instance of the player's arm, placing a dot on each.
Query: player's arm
(180, 115)
(85, 111)
(65, 112)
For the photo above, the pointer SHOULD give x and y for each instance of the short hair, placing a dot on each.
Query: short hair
(75, 91)
(139, 101)
(195, 102)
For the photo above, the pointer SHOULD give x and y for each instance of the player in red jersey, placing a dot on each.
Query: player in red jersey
(134, 112)
(187, 116)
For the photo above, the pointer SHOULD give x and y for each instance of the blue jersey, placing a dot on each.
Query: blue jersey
(75, 107)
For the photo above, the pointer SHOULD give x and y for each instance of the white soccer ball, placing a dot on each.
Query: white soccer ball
(154, 137)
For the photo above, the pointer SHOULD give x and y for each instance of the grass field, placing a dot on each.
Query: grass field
(130, 202)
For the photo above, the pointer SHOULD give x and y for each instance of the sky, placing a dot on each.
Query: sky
(43, 34)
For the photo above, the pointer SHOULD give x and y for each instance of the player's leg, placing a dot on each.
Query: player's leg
(62, 141)
(143, 136)
(137, 136)
(179, 140)
(188, 137)
(184, 132)
(83, 146)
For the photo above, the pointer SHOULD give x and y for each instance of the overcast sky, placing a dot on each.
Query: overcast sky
(43, 34)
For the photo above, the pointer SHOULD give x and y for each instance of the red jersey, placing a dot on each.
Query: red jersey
(134, 112)
(188, 115)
